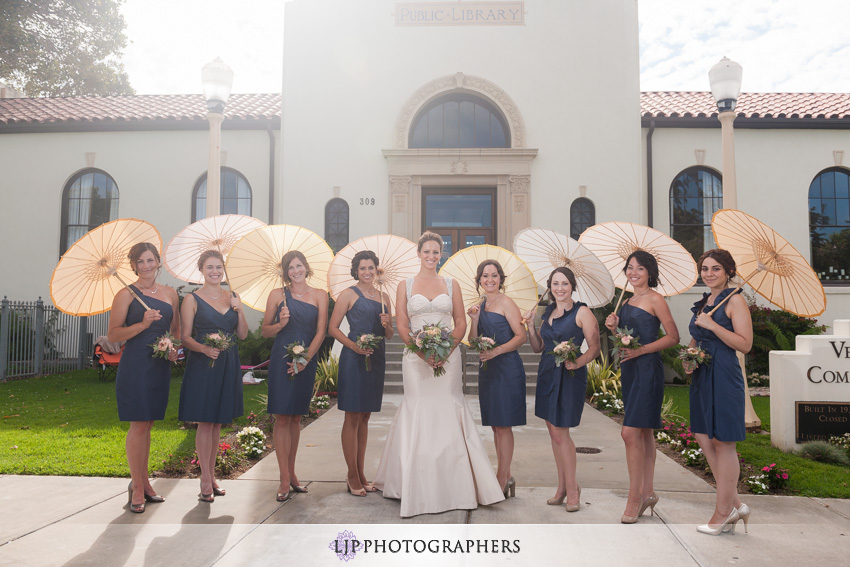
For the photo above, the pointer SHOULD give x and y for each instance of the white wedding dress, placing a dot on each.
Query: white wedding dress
(433, 458)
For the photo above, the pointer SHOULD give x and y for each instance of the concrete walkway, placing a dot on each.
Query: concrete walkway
(85, 521)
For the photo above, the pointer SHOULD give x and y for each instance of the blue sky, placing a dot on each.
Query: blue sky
(783, 45)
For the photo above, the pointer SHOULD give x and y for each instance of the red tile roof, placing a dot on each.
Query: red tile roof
(190, 110)
(133, 109)
(686, 104)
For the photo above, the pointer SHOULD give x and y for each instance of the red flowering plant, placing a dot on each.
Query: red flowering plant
(777, 479)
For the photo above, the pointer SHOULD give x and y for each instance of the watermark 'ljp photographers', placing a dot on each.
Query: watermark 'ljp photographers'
(346, 546)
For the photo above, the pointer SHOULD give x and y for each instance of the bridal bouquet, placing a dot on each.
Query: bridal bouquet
(482, 344)
(298, 354)
(164, 345)
(566, 351)
(623, 339)
(220, 340)
(432, 341)
(368, 341)
(692, 357)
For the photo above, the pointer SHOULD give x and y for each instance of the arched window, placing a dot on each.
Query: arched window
(695, 195)
(829, 224)
(582, 216)
(336, 224)
(459, 120)
(89, 199)
(235, 195)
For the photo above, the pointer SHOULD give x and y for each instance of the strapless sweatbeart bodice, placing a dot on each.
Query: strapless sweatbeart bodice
(423, 311)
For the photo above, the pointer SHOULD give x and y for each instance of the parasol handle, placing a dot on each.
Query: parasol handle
(133, 293)
(725, 299)
(381, 291)
(622, 293)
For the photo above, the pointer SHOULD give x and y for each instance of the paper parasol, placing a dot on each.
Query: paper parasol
(214, 233)
(768, 262)
(520, 284)
(397, 260)
(96, 267)
(544, 250)
(613, 242)
(254, 262)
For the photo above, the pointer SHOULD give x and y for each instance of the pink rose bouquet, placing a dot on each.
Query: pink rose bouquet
(370, 342)
(482, 344)
(164, 345)
(220, 340)
(623, 339)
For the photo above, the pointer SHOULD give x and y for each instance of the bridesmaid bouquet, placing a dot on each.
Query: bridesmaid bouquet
(623, 339)
(164, 345)
(298, 354)
(692, 357)
(565, 351)
(432, 341)
(368, 341)
(220, 340)
(482, 344)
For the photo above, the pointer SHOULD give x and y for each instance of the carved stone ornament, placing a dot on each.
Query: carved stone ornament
(400, 184)
(519, 203)
(460, 81)
(519, 183)
(400, 204)
(460, 167)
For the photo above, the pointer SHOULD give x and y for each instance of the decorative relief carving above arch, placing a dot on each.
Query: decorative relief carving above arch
(460, 81)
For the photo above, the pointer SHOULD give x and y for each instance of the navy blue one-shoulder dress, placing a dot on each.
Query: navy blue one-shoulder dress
(717, 392)
(501, 386)
(362, 390)
(642, 378)
(560, 395)
(212, 394)
(290, 395)
(142, 383)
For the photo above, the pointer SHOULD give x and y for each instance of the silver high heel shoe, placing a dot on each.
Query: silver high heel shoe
(510, 486)
(743, 514)
(728, 525)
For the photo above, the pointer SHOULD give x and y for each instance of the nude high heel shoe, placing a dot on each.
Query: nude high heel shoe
(510, 486)
(577, 506)
(650, 503)
(728, 525)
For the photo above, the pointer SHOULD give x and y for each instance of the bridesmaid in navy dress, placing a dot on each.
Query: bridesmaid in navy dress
(561, 390)
(501, 386)
(360, 391)
(142, 384)
(642, 377)
(298, 313)
(717, 388)
(211, 395)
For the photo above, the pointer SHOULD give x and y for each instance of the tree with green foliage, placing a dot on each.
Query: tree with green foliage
(63, 47)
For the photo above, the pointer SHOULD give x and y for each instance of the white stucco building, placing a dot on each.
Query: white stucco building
(475, 120)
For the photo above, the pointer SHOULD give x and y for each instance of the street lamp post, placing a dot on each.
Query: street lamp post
(725, 79)
(217, 79)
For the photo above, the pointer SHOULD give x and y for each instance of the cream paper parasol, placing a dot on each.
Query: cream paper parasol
(254, 261)
(520, 284)
(397, 260)
(213, 233)
(96, 267)
(769, 263)
(613, 243)
(544, 250)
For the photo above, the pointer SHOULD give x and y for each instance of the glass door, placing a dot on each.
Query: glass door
(463, 216)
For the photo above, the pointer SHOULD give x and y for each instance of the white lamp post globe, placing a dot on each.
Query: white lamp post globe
(725, 79)
(217, 80)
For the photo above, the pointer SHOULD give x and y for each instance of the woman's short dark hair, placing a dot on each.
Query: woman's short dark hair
(646, 260)
(360, 256)
(480, 272)
(722, 257)
(561, 270)
(287, 260)
(140, 248)
(206, 255)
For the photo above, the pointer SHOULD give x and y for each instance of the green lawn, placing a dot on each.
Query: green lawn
(808, 478)
(67, 424)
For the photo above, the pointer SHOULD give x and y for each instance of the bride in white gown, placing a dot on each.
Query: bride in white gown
(433, 458)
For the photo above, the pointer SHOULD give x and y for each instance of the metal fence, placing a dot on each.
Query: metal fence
(39, 339)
